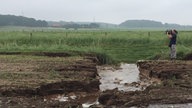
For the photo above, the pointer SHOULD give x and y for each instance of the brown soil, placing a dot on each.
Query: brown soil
(26, 79)
(188, 57)
(171, 83)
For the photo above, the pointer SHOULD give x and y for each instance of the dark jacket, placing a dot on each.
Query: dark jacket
(173, 40)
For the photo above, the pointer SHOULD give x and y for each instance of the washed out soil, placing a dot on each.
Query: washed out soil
(32, 81)
(28, 80)
(171, 83)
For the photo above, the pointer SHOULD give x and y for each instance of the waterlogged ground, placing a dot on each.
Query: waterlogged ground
(171, 86)
(110, 77)
(30, 81)
(55, 81)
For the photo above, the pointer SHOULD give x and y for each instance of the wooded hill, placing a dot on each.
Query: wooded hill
(129, 24)
(150, 24)
(11, 20)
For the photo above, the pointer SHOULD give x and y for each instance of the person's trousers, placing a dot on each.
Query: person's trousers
(173, 51)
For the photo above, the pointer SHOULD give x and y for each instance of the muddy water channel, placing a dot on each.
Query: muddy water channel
(123, 78)
(120, 78)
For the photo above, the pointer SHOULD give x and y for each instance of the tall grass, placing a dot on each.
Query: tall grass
(121, 46)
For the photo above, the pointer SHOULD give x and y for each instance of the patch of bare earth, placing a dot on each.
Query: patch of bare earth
(26, 79)
(171, 83)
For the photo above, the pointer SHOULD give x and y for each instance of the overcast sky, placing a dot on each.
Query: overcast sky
(111, 11)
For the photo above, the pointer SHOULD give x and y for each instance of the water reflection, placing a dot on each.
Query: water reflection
(81, 97)
(121, 78)
(111, 78)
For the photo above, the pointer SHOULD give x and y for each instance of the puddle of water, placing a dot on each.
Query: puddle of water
(87, 99)
(62, 98)
(189, 105)
(111, 78)
(87, 105)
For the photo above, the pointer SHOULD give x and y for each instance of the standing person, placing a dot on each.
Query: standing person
(172, 35)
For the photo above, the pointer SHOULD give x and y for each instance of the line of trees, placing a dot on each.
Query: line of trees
(11, 20)
(149, 24)
(76, 26)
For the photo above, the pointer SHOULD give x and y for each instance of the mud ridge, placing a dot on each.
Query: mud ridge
(54, 88)
(48, 77)
(49, 54)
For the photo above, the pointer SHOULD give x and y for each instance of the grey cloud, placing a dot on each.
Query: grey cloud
(113, 11)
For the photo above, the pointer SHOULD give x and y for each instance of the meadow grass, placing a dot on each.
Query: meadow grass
(114, 45)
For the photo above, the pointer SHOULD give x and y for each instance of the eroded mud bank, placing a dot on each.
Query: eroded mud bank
(28, 80)
(171, 83)
(36, 81)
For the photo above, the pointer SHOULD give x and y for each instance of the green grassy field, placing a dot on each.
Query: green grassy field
(117, 46)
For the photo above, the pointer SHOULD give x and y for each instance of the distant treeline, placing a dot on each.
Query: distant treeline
(149, 24)
(130, 24)
(11, 20)
(75, 26)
